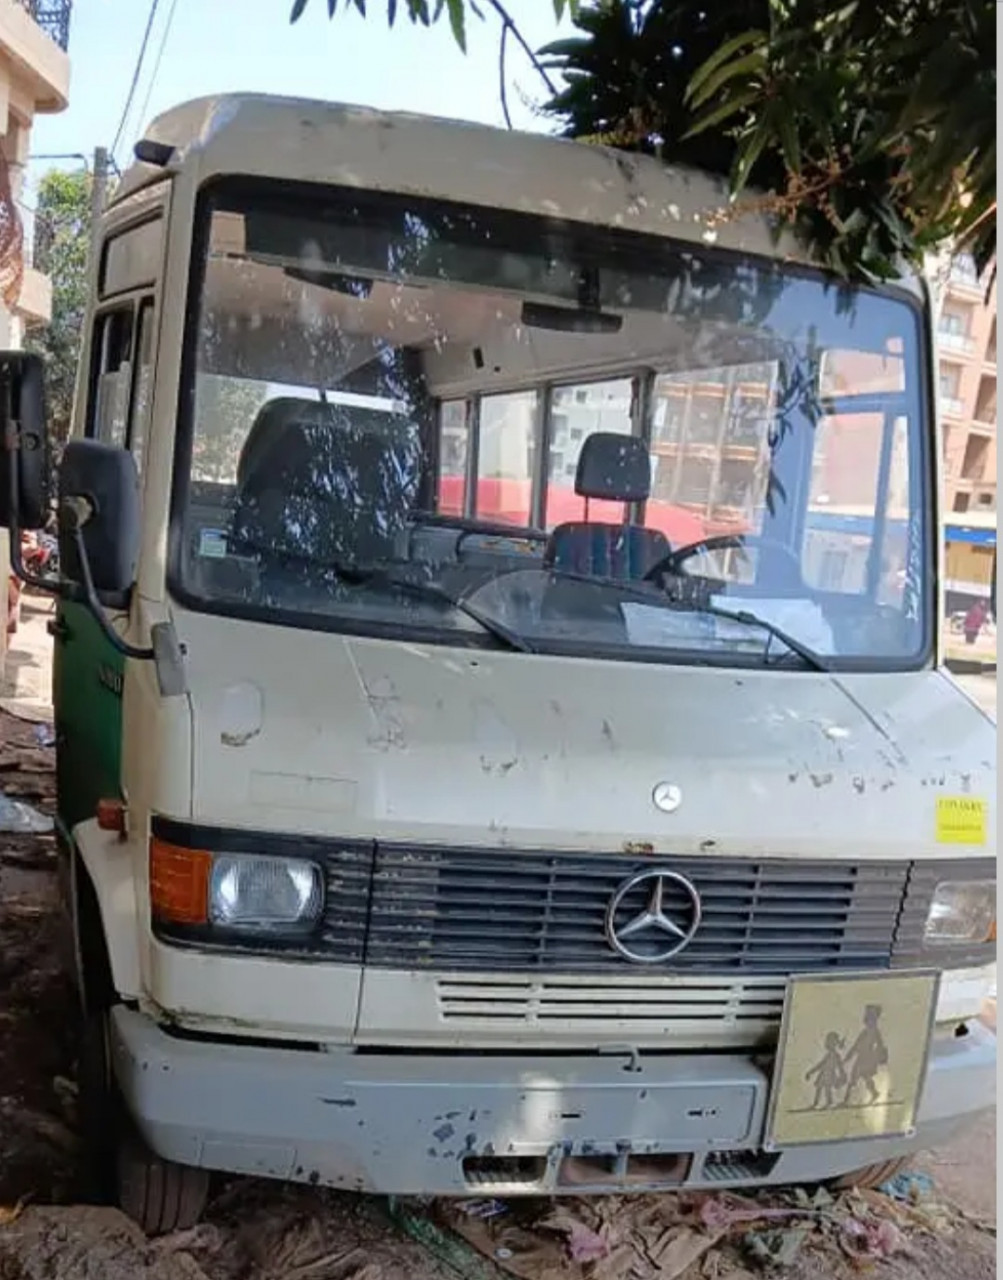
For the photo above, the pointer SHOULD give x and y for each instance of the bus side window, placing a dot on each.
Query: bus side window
(143, 382)
(111, 376)
(454, 453)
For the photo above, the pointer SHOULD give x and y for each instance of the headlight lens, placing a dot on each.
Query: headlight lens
(962, 911)
(250, 892)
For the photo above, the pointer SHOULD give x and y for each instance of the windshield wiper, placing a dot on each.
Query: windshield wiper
(434, 591)
(657, 600)
(807, 655)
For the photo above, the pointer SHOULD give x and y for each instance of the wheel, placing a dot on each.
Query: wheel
(158, 1194)
(871, 1177)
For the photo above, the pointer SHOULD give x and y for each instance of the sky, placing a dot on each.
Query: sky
(199, 47)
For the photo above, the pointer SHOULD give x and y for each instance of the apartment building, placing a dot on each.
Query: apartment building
(966, 340)
(34, 79)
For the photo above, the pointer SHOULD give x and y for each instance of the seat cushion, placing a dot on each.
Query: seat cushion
(624, 551)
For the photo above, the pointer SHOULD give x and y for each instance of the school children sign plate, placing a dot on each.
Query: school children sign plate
(852, 1057)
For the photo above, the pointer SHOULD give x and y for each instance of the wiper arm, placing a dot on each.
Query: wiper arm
(434, 591)
(657, 599)
(808, 656)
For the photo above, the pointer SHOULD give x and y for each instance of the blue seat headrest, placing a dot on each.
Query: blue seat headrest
(613, 467)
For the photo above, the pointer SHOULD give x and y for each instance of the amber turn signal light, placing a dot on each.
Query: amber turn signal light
(110, 816)
(179, 883)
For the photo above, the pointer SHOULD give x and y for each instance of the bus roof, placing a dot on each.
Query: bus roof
(328, 143)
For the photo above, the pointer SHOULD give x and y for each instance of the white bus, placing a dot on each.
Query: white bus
(502, 737)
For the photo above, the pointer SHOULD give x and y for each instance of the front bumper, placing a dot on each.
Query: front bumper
(423, 1124)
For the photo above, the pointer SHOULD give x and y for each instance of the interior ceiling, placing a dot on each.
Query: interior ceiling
(469, 339)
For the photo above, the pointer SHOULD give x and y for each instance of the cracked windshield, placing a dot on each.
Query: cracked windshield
(417, 420)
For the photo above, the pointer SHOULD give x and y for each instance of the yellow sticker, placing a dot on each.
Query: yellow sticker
(961, 820)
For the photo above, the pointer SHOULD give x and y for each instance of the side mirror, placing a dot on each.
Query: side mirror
(24, 457)
(99, 527)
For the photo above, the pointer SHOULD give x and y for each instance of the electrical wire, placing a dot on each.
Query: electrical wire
(154, 6)
(164, 36)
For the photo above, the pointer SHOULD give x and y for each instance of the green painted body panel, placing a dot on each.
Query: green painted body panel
(87, 678)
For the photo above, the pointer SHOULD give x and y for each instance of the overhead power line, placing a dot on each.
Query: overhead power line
(137, 70)
(164, 36)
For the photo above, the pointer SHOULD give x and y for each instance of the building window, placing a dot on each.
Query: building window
(985, 405)
(973, 465)
(963, 269)
(950, 381)
(955, 323)
(961, 501)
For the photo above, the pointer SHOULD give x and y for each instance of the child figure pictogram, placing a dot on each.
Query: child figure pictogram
(828, 1073)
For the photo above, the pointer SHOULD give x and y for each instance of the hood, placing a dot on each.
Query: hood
(305, 732)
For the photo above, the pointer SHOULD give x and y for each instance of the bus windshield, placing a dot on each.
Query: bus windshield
(420, 420)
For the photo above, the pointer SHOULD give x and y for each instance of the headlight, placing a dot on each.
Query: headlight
(962, 911)
(251, 892)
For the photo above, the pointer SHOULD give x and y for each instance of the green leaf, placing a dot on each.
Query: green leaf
(391, 12)
(790, 143)
(747, 65)
(298, 7)
(750, 150)
(571, 47)
(720, 56)
(717, 115)
(457, 22)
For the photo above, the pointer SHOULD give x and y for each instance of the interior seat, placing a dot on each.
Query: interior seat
(612, 468)
(316, 486)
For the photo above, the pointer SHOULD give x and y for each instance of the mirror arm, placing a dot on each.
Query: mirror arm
(75, 512)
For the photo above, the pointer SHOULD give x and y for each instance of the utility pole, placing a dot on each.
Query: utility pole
(99, 191)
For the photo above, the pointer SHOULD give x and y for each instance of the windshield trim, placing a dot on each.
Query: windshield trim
(287, 195)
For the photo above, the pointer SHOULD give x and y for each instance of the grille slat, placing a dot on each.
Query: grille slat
(605, 1001)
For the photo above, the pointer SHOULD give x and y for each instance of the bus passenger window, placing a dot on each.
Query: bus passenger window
(506, 457)
(454, 452)
(112, 377)
(577, 412)
(143, 385)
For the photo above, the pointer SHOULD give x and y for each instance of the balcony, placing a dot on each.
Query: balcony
(53, 16)
(34, 303)
(960, 342)
(33, 60)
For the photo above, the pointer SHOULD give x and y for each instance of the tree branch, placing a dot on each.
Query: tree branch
(502, 86)
(509, 25)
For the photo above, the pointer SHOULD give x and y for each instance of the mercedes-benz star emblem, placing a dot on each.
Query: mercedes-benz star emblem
(665, 923)
(667, 797)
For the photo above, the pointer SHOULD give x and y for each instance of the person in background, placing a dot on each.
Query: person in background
(975, 620)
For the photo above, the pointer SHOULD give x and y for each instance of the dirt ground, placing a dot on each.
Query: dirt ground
(266, 1231)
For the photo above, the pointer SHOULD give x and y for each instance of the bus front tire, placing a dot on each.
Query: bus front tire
(120, 1168)
(158, 1194)
(871, 1176)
